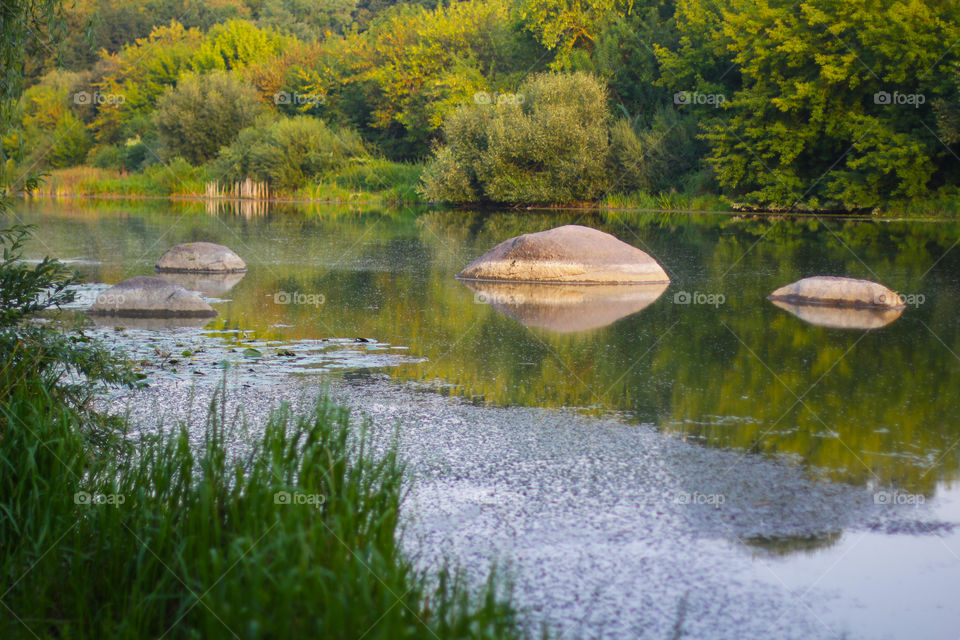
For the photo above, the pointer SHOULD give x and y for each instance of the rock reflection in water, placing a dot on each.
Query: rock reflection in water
(841, 317)
(566, 308)
(209, 284)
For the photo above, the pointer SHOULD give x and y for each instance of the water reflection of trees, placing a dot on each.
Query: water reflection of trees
(877, 406)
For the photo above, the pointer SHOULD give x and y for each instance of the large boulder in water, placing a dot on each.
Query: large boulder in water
(200, 257)
(835, 291)
(570, 253)
(149, 297)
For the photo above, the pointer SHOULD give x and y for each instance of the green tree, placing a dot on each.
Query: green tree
(565, 26)
(828, 99)
(136, 76)
(203, 113)
(546, 143)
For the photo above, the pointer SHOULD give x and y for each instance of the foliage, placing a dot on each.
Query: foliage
(305, 19)
(563, 26)
(68, 367)
(548, 143)
(203, 113)
(25, 24)
(137, 75)
(288, 152)
(812, 121)
(654, 159)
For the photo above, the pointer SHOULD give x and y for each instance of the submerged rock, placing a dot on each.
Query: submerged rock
(566, 308)
(200, 257)
(149, 297)
(838, 292)
(571, 253)
(832, 317)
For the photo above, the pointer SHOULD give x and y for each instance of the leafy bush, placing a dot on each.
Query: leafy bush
(67, 367)
(203, 113)
(288, 152)
(546, 143)
(658, 158)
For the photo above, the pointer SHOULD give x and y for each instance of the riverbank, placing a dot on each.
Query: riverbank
(383, 183)
(613, 530)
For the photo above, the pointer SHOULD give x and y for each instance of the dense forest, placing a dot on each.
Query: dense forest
(771, 103)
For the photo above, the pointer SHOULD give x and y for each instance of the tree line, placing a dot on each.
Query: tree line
(822, 104)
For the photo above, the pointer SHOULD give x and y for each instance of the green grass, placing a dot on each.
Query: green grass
(197, 543)
(665, 202)
(374, 182)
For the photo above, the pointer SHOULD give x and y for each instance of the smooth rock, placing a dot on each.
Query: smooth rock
(566, 308)
(200, 257)
(838, 292)
(833, 317)
(149, 297)
(571, 253)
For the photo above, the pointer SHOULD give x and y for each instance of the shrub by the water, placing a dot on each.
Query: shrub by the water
(287, 152)
(546, 143)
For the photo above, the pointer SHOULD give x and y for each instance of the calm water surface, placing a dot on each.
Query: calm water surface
(709, 358)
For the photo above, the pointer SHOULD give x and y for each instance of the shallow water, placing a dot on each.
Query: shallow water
(708, 361)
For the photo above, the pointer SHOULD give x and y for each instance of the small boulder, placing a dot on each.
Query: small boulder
(835, 291)
(200, 257)
(572, 254)
(149, 297)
